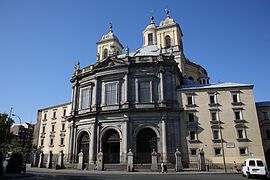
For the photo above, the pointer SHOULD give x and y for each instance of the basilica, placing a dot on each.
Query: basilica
(150, 99)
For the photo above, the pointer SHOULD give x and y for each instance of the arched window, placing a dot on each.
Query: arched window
(105, 53)
(167, 41)
(150, 39)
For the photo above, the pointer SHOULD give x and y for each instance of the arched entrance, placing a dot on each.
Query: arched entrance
(146, 142)
(84, 146)
(111, 146)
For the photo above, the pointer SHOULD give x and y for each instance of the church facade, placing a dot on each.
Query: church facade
(151, 99)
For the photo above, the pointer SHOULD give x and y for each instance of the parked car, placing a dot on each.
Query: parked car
(254, 167)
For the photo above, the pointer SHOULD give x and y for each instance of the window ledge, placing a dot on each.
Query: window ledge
(61, 145)
(44, 120)
(244, 154)
(213, 104)
(194, 141)
(242, 139)
(239, 121)
(191, 105)
(216, 140)
(237, 103)
(54, 118)
(51, 146)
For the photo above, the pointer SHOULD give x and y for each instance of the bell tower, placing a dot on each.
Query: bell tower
(169, 34)
(150, 33)
(109, 45)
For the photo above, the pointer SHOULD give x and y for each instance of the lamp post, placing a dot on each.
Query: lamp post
(18, 117)
(220, 132)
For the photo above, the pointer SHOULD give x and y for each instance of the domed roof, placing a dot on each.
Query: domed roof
(152, 24)
(110, 35)
(168, 20)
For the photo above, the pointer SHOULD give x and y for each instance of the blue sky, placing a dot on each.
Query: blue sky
(41, 41)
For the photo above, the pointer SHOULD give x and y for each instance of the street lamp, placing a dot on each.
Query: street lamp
(18, 117)
(220, 132)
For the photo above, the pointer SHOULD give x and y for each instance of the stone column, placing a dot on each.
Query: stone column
(34, 164)
(40, 163)
(49, 160)
(164, 139)
(178, 161)
(162, 98)
(130, 167)
(61, 159)
(154, 165)
(92, 145)
(100, 164)
(137, 90)
(80, 163)
(202, 165)
(71, 142)
(123, 146)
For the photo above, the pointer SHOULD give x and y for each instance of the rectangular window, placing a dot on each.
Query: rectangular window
(54, 114)
(235, 98)
(214, 116)
(265, 116)
(62, 141)
(111, 93)
(51, 142)
(218, 152)
(150, 39)
(63, 126)
(189, 100)
(212, 99)
(85, 98)
(241, 134)
(53, 128)
(144, 92)
(192, 135)
(243, 151)
(267, 134)
(216, 134)
(237, 115)
(193, 152)
(42, 142)
(64, 112)
(190, 117)
(43, 129)
(45, 115)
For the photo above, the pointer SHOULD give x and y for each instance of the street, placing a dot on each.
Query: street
(105, 175)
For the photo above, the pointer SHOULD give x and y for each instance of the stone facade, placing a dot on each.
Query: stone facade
(53, 132)
(151, 100)
(263, 111)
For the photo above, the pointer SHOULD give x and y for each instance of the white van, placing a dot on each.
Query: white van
(254, 167)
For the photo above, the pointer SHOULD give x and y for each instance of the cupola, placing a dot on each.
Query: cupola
(109, 45)
(149, 34)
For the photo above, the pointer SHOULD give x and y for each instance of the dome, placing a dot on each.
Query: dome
(167, 21)
(152, 24)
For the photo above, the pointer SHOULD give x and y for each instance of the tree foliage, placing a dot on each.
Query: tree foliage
(5, 124)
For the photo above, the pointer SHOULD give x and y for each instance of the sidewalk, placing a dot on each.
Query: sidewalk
(76, 171)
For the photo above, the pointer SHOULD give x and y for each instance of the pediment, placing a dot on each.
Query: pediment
(109, 62)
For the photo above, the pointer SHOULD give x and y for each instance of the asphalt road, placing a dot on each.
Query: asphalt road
(118, 176)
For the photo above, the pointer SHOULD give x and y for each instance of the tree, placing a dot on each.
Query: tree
(5, 124)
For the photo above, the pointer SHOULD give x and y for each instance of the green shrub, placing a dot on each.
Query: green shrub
(15, 164)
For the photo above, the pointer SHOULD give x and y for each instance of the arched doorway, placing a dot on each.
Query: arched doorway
(146, 142)
(84, 146)
(111, 146)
